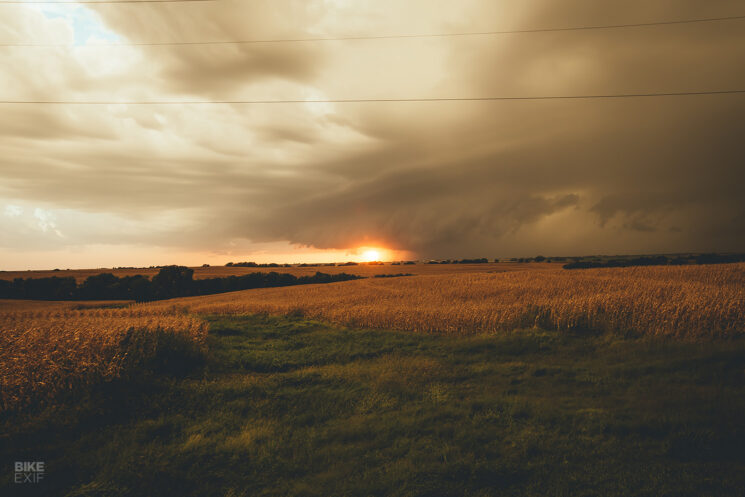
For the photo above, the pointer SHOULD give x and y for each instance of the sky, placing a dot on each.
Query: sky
(138, 185)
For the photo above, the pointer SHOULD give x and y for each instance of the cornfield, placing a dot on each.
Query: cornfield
(362, 269)
(46, 350)
(680, 301)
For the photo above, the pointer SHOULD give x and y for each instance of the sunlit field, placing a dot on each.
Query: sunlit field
(362, 269)
(540, 381)
(49, 350)
(681, 301)
(48, 347)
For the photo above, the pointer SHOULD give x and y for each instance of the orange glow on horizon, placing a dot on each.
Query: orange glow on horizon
(371, 255)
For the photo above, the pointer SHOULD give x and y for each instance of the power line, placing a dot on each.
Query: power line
(355, 38)
(368, 100)
(69, 2)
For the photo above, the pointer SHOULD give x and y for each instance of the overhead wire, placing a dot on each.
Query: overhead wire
(370, 100)
(372, 37)
(89, 2)
(376, 37)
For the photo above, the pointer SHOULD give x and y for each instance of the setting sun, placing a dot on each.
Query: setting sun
(371, 255)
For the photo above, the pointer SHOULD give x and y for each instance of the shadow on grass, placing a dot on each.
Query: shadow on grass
(290, 407)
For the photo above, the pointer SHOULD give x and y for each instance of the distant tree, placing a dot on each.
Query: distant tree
(539, 258)
(245, 264)
(104, 286)
(718, 258)
(173, 281)
(53, 288)
(482, 260)
(137, 287)
(5, 289)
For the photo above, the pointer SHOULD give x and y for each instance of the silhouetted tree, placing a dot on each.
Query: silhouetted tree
(6, 289)
(104, 286)
(137, 288)
(173, 281)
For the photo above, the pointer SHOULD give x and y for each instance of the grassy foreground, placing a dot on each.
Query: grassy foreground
(290, 407)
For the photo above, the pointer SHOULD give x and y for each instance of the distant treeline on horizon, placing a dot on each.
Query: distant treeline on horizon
(170, 282)
(657, 260)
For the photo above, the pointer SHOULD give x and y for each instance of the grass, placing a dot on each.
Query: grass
(291, 407)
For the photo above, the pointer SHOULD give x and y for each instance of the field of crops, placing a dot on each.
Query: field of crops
(52, 347)
(681, 301)
(200, 385)
(48, 349)
(361, 269)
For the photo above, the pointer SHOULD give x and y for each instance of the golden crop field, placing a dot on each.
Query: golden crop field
(361, 269)
(52, 347)
(14, 306)
(681, 301)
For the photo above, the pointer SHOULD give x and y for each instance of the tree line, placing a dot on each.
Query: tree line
(170, 282)
(482, 260)
(658, 260)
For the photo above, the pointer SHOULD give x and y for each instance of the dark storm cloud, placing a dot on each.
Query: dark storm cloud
(634, 165)
(441, 179)
(649, 165)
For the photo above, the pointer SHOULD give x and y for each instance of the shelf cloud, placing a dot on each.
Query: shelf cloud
(437, 179)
